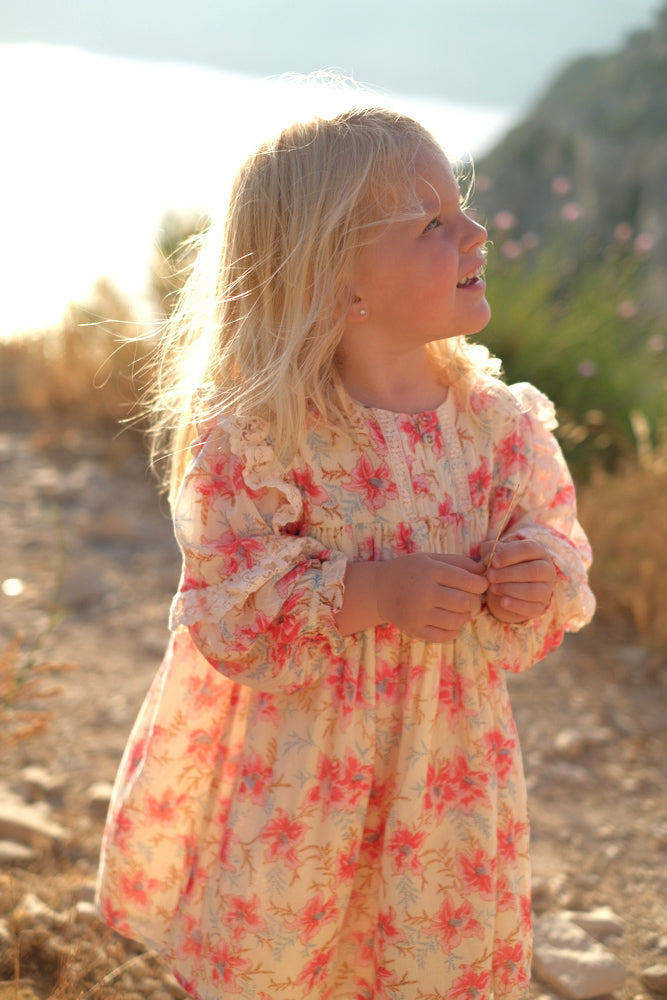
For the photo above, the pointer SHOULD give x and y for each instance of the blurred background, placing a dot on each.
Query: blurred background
(121, 126)
(116, 112)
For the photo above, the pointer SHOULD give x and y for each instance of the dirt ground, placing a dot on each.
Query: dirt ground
(88, 540)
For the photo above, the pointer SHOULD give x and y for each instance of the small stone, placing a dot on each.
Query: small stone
(36, 784)
(99, 796)
(12, 853)
(601, 923)
(86, 912)
(570, 961)
(569, 743)
(31, 911)
(655, 978)
(30, 825)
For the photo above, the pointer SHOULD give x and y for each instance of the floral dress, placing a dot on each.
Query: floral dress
(351, 822)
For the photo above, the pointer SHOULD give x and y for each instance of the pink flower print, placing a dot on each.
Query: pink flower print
(511, 833)
(227, 841)
(453, 695)
(511, 456)
(447, 513)
(509, 966)
(454, 923)
(138, 888)
(315, 915)
(218, 483)
(191, 941)
(526, 913)
(500, 753)
(255, 779)
(224, 967)
(200, 695)
(478, 873)
(122, 826)
(404, 847)
(403, 543)
(479, 482)
(236, 551)
(328, 788)
(313, 494)
(439, 793)
(114, 917)
(204, 746)
(421, 484)
(356, 780)
(423, 427)
(315, 971)
(472, 985)
(373, 484)
(346, 865)
(242, 916)
(266, 710)
(282, 837)
(389, 930)
(164, 810)
(136, 755)
(470, 785)
(386, 682)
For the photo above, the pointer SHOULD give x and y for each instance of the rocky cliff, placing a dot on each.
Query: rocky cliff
(594, 152)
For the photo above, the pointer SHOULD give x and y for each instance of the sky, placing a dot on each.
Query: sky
(498, 52)
(127, 109)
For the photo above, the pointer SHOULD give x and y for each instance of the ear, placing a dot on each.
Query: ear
(357, 312)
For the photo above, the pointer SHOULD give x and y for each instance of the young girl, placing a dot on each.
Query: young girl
(323, 795)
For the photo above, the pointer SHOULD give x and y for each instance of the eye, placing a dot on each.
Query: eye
(433, 224)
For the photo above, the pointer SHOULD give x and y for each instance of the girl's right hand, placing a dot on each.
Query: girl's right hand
(428, 595)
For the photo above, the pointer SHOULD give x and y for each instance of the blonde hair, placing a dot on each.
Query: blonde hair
(259, 321)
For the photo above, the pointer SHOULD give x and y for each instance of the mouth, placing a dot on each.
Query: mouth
(474, 277)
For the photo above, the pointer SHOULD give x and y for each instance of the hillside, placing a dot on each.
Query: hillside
(593, 152)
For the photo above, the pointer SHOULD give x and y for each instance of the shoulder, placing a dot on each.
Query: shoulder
(497, 404)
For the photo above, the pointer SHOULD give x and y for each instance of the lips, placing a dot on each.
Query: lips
(473, 277)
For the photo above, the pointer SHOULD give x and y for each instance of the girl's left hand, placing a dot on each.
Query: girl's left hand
(521, 581)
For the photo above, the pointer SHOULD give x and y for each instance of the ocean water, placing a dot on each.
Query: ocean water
(98, 149)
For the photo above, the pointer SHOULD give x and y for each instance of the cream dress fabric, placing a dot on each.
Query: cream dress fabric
(342, 818)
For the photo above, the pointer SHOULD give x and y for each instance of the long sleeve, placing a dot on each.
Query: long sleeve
(257, 596)
(546, 513)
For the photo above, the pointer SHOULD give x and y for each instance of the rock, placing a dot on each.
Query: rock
(655, 978)
(31, 911)
(12, 853)
(570, 961)
(29, 824)
(99, 796)
(36, 784)
(601, 923)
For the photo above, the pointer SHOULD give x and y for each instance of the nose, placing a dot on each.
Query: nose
(475, 234)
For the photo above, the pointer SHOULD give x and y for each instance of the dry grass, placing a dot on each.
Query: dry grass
(25, 689)
(89, 370)
(624, 517)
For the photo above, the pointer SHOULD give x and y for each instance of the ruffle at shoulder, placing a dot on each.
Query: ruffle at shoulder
(247, 440)
(535, 404)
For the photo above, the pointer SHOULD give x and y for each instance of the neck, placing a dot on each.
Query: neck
(407, 384)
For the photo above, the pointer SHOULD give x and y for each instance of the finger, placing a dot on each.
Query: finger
(457, 580)
(526, 593)
(459, 562)
(535, 571)
(520, 611)
(517, 551)
(459, 602)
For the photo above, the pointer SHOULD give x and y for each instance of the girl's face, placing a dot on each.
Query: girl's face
(421, 280)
